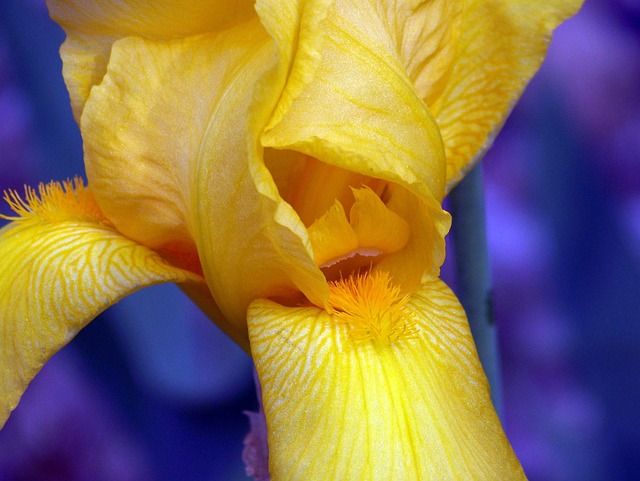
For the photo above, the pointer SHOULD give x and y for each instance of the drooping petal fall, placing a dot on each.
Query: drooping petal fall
(61, 264)
(397, 396)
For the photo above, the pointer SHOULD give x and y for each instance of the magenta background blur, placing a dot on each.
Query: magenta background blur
(151, 391)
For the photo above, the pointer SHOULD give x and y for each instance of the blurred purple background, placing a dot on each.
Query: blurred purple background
(151, 391)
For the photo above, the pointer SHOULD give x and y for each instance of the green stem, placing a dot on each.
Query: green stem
(474, 276)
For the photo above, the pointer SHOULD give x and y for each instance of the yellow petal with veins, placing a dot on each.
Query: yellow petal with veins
(415, 408)
(376, 226)
(425, 35)
(92, 27)
(84, 63)
(62, 264)
(332, 236)
(500, 47)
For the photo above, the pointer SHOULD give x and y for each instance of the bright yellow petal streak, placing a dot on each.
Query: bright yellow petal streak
(92, 27)
(62, 264)
(418, 409)
(501, 46)
(356, 108)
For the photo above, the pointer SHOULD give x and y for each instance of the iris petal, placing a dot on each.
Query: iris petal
(332, 236)
(252, 243)
(144, 125)
(58, 272)
(417, 409)
(182, 123)
(500, 47)
(425, 250)
(352, 105)
(375, 225)
(92, 27)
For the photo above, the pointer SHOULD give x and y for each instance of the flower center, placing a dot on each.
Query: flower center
(346, 214)
(310, 186)
(370, 230)
(373, 309)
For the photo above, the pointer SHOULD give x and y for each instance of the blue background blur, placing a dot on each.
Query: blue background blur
(152, 391)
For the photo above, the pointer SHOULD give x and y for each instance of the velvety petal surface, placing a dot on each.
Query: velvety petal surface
(416, 409)
(501, 45)
(425, 35)
(60, 268)
(92, 27)
(352, 104)
(84, 63)
(332, 236)
(172, 154)
(144, 125)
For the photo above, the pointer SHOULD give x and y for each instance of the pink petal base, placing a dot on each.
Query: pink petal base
(256, 450)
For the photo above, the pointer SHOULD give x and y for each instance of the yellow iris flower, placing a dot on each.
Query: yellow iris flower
(285, 164)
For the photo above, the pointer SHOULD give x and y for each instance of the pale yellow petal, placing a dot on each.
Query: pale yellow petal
(55, 277)
(172, 154)
(501, 46)
(158, 19)
(92, 27)
(351, 104)
(297, 29)
(418, 409)
(426, 38)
